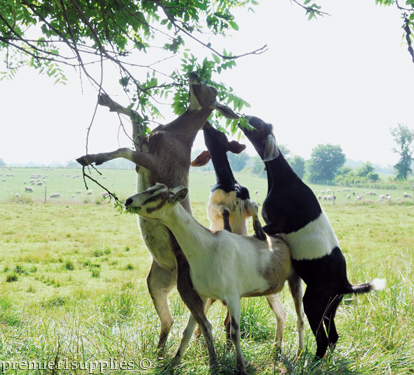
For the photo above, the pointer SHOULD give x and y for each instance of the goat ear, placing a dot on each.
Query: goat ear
(201, 159)
(235, 147)
(226, 111)
(179, 193)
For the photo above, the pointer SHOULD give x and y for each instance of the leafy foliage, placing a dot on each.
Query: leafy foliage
(364, 174)
(298, 165)
(47, 35)
(238, 161)
(324, 162)
(404, 138)
(407, 15)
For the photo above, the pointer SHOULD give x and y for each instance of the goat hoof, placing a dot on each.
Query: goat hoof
(83, 161)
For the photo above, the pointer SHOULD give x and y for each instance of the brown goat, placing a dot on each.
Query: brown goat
(164, 156)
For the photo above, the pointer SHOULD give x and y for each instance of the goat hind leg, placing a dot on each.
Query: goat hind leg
(315, 304)
(329, 320)
(296, 289)
(280, 314)
(160, 282)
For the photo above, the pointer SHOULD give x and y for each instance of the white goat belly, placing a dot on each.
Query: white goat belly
(316, 240)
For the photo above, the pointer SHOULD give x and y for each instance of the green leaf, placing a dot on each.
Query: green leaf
(216, 58)
(234, 25)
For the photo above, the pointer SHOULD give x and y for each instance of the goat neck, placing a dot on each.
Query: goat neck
(216, 142)
(290, 204)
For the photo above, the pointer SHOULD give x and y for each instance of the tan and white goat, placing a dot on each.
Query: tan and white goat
(223, 265)
(230, 207)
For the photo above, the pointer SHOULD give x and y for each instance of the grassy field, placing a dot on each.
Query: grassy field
(73, 291)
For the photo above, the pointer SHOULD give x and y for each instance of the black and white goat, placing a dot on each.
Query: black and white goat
(229, 206)
(292, 211)
(223, 265)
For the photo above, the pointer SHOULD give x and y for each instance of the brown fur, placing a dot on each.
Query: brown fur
(164, 156)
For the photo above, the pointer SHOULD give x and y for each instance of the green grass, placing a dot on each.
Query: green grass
(72, 286)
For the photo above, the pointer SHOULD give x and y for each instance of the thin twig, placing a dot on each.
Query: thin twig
(96, 182)
(259, 51)
(310, 9)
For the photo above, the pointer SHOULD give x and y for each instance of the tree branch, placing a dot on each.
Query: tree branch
(311, 9)
(258, 51)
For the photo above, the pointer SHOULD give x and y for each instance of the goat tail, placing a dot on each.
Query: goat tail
(373, 285)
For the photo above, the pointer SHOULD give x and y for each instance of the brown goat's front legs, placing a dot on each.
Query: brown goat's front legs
(142, 159)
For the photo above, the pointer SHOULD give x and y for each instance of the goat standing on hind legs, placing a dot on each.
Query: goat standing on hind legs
(229, 207)
(164, 156)
(223, 265)
(292, 211)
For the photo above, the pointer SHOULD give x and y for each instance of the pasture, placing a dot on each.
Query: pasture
(73, 291)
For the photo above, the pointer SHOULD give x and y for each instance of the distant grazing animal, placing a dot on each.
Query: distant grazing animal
(292, 210)
(89, 192)
(54, 195)
(165, 156)
(223, 265)
(229, 206)
(29, 189)
(406, 195)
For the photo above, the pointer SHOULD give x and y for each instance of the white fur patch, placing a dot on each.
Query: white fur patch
(316, 240)
(238, 215)
(377, 284)
(271, 150)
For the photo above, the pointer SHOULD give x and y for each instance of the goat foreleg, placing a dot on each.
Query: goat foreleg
(141, 159)
(233, 304)
(218, 213)
(252, 209)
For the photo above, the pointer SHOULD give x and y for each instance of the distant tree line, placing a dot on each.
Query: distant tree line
(326, 164)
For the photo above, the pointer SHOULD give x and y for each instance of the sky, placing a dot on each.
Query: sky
(343, 79)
